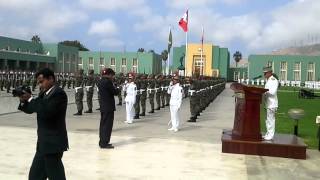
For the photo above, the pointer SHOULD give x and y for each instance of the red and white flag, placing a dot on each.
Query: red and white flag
(183, 23)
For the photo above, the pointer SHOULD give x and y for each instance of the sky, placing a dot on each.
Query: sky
(248, 26)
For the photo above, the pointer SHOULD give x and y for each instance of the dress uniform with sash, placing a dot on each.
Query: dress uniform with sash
(175, 103)
(271, 103)
(130, 99)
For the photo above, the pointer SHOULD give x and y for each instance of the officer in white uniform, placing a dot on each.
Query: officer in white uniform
(130, 98)
(271, 101)
(175, 102)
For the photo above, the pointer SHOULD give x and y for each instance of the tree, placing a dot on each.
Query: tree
(151, 51)
(36, 39)
(141, 50)
(237, 56)
(76, 44)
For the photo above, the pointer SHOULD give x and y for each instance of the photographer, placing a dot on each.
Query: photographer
(107, 91)
(50, 106)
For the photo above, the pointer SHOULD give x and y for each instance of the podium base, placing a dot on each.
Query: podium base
(283, 145)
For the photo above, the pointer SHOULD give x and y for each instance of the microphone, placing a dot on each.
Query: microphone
(257, 77)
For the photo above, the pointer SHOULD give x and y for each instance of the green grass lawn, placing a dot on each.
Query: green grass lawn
(307, 127)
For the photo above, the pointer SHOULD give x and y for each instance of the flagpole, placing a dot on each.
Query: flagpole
(186, 55)
(168, 61)
(202, 63)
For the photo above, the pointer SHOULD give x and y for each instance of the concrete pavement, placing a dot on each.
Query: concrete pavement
(146, 149)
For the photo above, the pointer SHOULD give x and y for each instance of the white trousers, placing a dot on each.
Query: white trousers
(130, 111)
(270, 122)
(174, 111)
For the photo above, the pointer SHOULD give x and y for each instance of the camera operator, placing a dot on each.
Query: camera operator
(50, 106)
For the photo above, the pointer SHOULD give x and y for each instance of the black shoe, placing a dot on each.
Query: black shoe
(152, 111)
(120, 104)
(98, 109)
(89, 111)
(158, 108)
(108, 146)
(143, 114)
(79, 113)
(192, 120)
(167, 104)
(136, 116)
(162, 106)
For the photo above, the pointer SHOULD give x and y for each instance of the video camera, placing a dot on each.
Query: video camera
(21, 90)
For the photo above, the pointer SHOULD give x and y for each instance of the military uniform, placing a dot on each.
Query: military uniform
(143, 94)
(193, 101)
(151, 91)
(130, 100)
(158, 91)
(119, 82)
(79, 83)
(89, 90)
(137, 103)
(271, 103)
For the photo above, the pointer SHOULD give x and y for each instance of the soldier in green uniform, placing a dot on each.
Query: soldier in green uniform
(158, 91)
(143, 94)
(168, 96)
(9, 81)
(90, 89)
(163, 91)
(151, 91)
(79, 83)
(33, 81)
(119, 82)
(2, 79)
(64, 80)
(193, 99)
(69, 81)
(137, 103)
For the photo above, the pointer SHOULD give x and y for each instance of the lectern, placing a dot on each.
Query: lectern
(245, 137)
(247, 112)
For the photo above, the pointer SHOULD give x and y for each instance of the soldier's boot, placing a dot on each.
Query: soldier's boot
(120, 104)
(158, 108)
(162, 106)
(143, 114)
(136, 116)
(192, 119)
(98, 109)
(152, 111)
(79, 113)
(167, 104)
(88, 111)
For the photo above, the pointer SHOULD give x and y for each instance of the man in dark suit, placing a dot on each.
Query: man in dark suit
(107, 91)
(50, 106)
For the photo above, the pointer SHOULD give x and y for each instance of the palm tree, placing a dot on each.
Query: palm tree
(164, 57)
(237, 56)
(141, 50)
(36, 39)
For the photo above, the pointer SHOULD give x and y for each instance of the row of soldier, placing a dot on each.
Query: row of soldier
(202, 91)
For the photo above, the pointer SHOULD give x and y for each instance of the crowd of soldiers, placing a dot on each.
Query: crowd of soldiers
(12, 79)
(150, 88)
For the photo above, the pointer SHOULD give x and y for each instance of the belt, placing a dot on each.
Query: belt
(88, 87)
(191, 92)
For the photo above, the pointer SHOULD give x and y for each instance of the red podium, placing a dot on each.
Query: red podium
(245, 137)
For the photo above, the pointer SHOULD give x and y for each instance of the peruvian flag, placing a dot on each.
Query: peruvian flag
(183, 23)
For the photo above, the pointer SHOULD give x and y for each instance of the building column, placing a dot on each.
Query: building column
(37, 66)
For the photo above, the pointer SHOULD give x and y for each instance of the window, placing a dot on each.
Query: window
(135, 65)
(124, 65)
(113, 64)
(80, 65)
(91, 66)
(66, 58)
(18, 49)
(60, 57)
(73, 59)
(270, 63)
(236, 75)
(283, 71)
(101, 61)
(311, 70)
(297, 71)
(8, 48)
